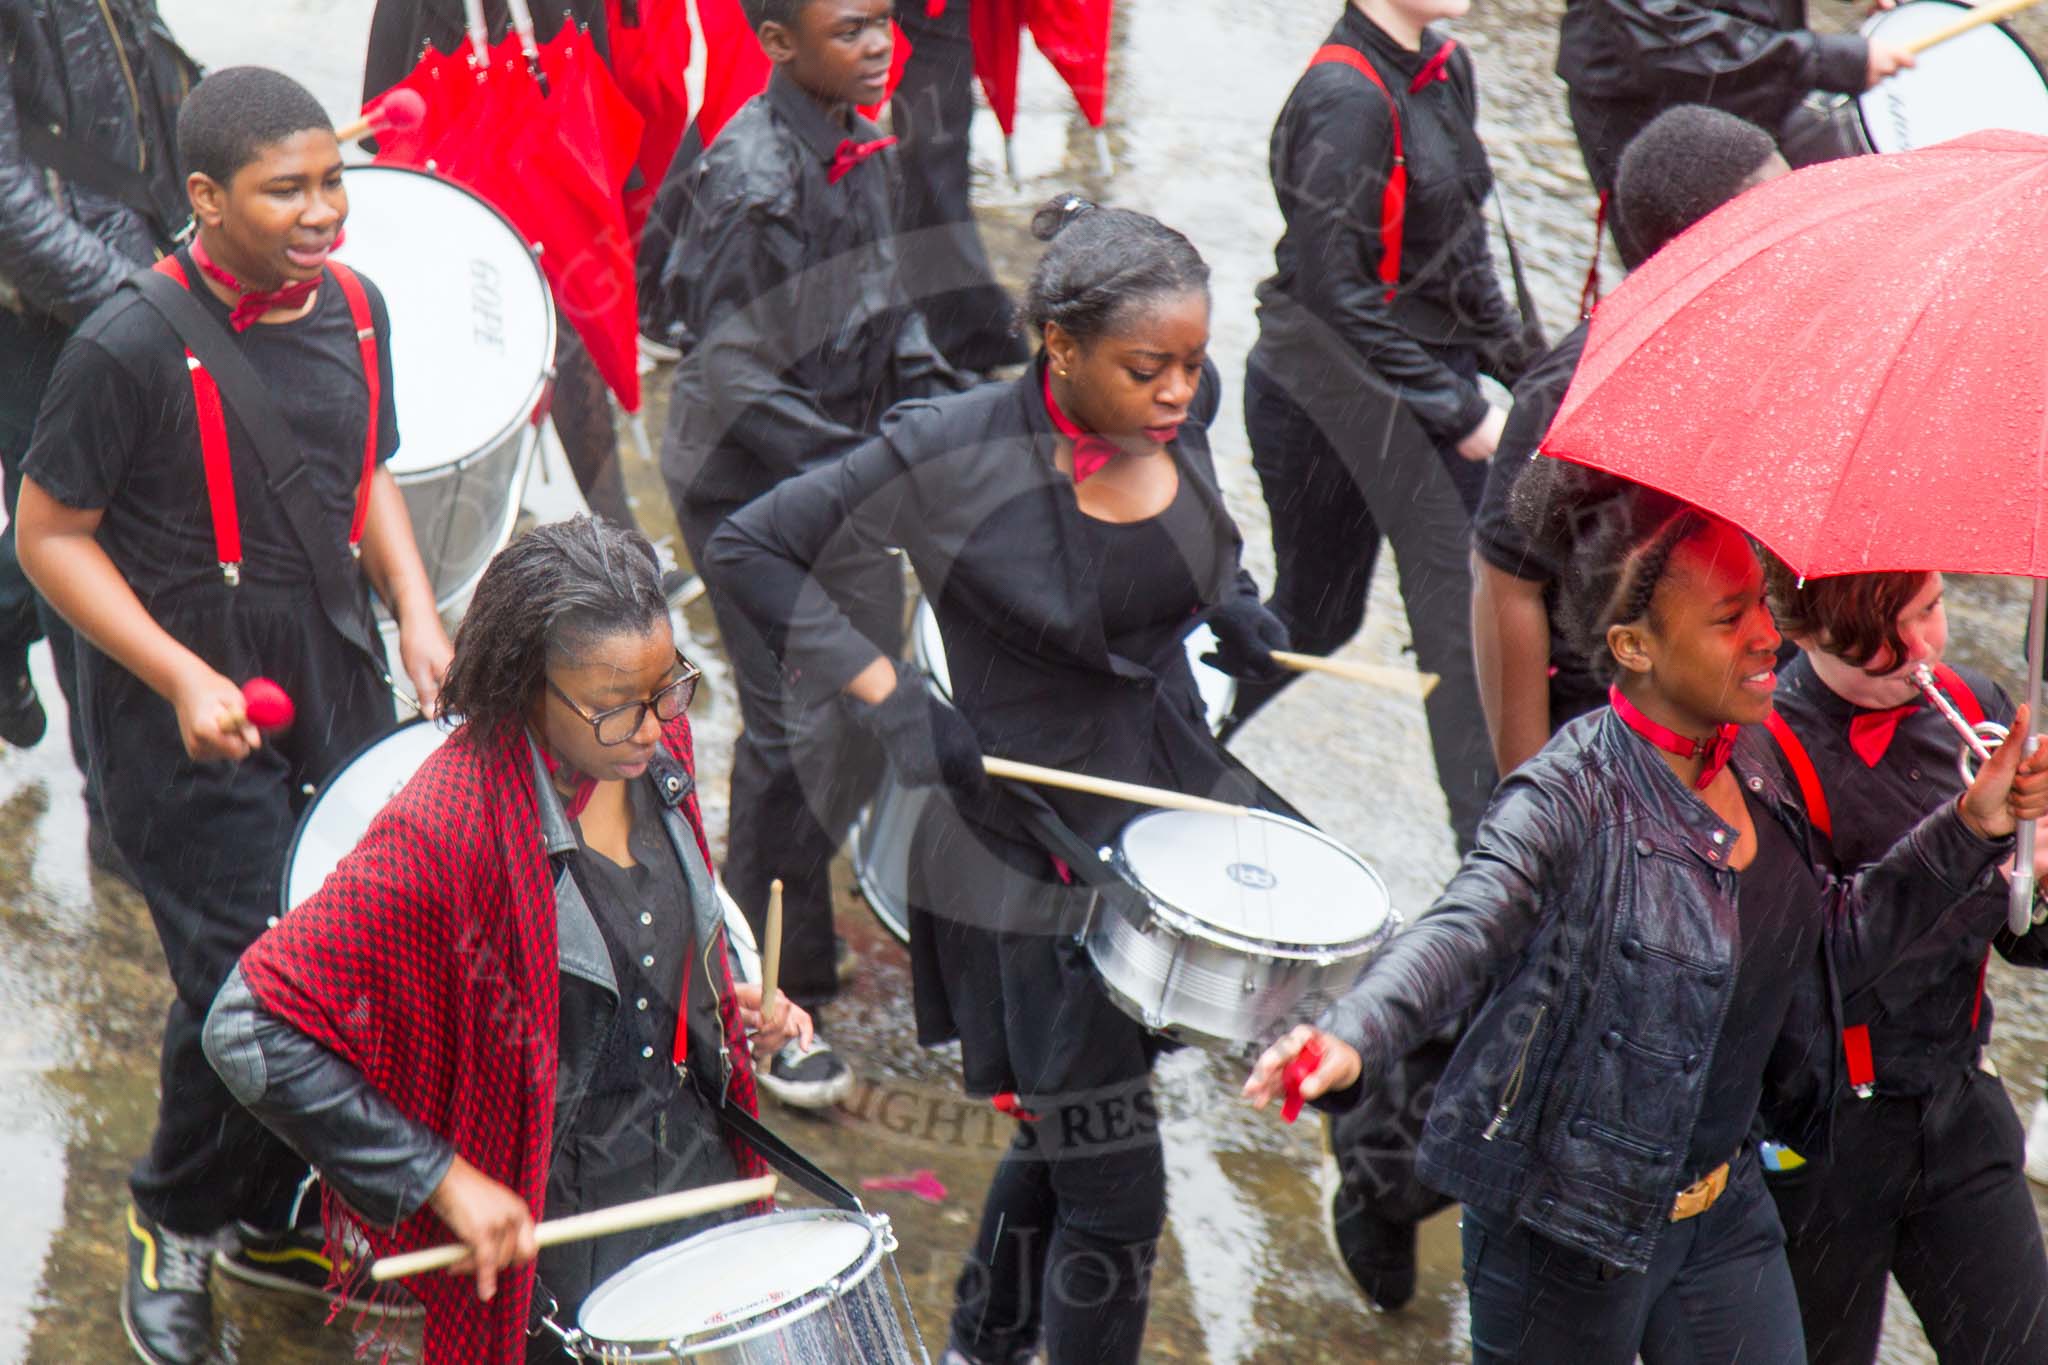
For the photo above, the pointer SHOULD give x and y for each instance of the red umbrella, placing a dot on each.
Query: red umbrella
(1851, 364)
(736, 70)
(650, 52)
(1073, 35)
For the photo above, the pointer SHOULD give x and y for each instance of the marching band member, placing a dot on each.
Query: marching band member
(1923, 1177)
(152, 519)
(1659, 959)
(1069, 532)
(513, 995)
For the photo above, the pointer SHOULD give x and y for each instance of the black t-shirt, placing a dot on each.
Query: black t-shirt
(1776, 910)
(1501, 542)
(118, 432)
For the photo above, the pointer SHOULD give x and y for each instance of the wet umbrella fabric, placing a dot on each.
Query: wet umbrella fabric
(1850, 363)
(1073, 35)
(650, 42)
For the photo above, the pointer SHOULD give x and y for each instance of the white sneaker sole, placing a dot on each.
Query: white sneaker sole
(807, 1094)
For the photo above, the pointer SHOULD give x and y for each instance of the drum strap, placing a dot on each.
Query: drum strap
(230, 377)
(1856, 1037)
(213, 431)
(786, 1159)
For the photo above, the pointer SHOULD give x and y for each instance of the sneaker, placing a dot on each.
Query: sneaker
(812, 1078)
(165, 1307)
(2037, 1143)
(295, 1261)
(654, 352)
(1377, 1253)
(22, 721)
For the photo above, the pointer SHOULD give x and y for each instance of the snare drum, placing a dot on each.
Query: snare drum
(1235, 926)
(339, 815)
(818, 1286)
(472, 352)
(1983, 79)
(879, 842)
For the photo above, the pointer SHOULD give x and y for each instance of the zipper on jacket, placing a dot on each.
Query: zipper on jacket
(1511, 1093)
(134, 92)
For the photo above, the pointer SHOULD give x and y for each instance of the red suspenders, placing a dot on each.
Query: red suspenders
(1394, 203)
(1856, 1037)
(213, 427)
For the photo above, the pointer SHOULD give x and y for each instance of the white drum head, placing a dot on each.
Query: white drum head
(929, 647)
(472, 324)
(1981, 80)
(725, 1277)
(340, 814)
(1262, 877)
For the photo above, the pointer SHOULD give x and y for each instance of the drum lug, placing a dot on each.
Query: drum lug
(885, 1233)
(1251, 986)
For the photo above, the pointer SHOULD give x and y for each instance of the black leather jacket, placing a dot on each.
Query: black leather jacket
(383, 1164)
(1596, 919)
(105, 80)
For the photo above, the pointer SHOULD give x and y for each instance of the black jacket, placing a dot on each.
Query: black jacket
(383, 1164)
(89, 128)
(1323, 315)
(1753, 58)
(1923, 1015)
(804, 334)
(1596, 918)
(966, 486)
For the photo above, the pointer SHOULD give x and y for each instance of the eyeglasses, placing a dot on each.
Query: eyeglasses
(620, 723)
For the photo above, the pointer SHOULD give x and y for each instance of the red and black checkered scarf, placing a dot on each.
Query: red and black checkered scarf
(428, 960)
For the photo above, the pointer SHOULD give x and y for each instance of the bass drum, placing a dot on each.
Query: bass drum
(1984, 79)
(879, 842)
(472, 355)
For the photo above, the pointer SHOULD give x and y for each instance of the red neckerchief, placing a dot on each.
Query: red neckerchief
(850, 154)
(1870, 732)
(586, 786)
(252, 303)
(1092, 452)
(1437, 68)
(1715, 752)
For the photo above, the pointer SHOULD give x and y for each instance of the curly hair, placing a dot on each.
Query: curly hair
(1615, 540)
(1853, 616)
(549, 596)
(1102, 265)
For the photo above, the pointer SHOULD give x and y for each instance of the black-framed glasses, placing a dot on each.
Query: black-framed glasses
(618, 724)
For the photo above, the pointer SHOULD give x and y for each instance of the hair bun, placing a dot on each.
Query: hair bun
(1056, 213)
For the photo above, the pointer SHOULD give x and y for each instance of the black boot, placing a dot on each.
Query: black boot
(166, 1308)
(22, 722)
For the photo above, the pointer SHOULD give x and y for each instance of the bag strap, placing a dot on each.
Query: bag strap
(334, 578)
(786, 1159)
(1394, 200)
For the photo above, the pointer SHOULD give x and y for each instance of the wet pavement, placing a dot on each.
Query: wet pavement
(1244, 1276)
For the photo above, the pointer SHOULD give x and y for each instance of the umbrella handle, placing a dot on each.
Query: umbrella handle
(522, 24)
(479, 33)
(2019, 910)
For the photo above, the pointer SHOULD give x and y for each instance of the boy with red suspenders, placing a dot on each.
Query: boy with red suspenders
(1923, 1179)
(206, 502)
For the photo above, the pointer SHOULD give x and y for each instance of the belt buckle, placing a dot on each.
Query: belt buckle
(1696, 1198)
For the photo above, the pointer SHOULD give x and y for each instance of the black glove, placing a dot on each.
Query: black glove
(1246, 636)
(927, 740)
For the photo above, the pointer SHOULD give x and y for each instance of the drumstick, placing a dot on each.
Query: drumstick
(1399, 680)
(1983, 14)
(1102, 786)
(771, 951)
(643, 1213)
(400, 110)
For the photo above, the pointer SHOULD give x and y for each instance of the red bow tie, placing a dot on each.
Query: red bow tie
(851, 154)
(1870, 732)
(1714, 752)
(1091, 452)
(253, 303)
(1437, 68)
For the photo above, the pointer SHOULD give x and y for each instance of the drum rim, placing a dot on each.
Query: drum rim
(805, 1305)
(1876, 21)
(526, 414)
(1193, 926)
(291, 852)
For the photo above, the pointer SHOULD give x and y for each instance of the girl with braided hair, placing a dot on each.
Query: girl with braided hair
(1069, 533)
(1657, 953)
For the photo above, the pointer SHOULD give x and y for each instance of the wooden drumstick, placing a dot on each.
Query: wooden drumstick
(771, 952)
(1397, 679)
(1983, 14)
(1102, 786)
(642, 1213)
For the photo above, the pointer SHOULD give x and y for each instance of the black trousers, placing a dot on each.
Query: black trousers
(207, 842)
(969, 316)
(1335, 489)
(801, 769)
(1931, 1191)
(1717, 1291)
